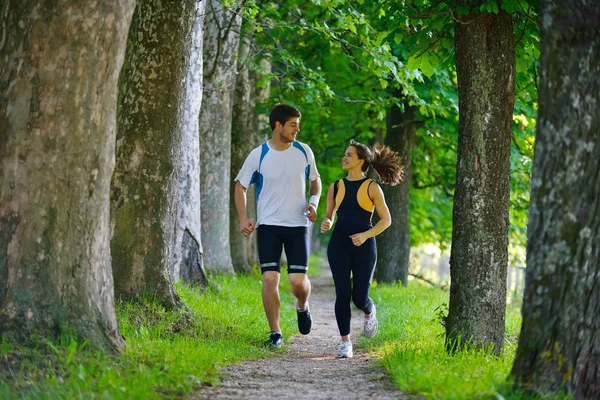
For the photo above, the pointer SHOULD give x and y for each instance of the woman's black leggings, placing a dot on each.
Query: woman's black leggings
(346, 259)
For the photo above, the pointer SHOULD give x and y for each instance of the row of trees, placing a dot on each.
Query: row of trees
(165, 100)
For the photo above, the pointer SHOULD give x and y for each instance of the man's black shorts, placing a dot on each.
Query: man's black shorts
(273, 239)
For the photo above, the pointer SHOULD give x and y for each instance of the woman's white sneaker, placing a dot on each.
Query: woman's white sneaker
(345, 350)
(370, 324)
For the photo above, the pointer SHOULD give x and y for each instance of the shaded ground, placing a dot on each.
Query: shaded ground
(308, 369)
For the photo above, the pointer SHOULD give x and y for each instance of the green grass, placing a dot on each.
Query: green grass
(314, 265)
(411, 346)
(167, 353)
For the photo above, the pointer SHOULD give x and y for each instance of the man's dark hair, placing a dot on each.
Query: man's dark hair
(282, 113)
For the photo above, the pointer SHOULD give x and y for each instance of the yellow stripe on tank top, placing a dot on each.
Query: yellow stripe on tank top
(363, 198)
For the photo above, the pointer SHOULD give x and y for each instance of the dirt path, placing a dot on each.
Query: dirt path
(308, 369)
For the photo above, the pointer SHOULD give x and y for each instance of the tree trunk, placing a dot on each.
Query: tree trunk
(261, 91)
(393, 245)
(59, 70)
(221, 41)
(243, 135)
(188, 258)
(559, 345)
(150, 118)
(485, 63)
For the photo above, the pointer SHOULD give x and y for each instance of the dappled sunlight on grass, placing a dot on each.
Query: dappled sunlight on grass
(412, 337)
(167, 353)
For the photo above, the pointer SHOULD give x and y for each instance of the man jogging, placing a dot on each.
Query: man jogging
(280, 169)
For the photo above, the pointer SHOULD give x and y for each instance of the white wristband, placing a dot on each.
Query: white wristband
(314, 200)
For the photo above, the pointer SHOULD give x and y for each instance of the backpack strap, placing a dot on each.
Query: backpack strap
(263, 152)
(297, 145)
(256, 175)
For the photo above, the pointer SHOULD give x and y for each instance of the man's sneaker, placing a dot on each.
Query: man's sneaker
(370, 325)
(304, 321)
(275, 340)
(345, 350)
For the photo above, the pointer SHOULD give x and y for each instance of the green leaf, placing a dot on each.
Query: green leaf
(398, 37)
(382, 37)
(463, 10)
(510, 6)
(495, 7)
(426, 66)
(413, 62)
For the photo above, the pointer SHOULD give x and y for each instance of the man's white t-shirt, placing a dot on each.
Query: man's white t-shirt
(282, 195)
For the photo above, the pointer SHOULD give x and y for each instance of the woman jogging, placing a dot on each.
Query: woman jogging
(352, 249)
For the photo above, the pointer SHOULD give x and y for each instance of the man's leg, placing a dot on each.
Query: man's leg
(269, 254)
(296, 249)
(270, 298)
(300, 288)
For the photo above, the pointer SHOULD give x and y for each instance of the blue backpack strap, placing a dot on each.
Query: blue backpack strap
(299, 147)
(257, 176)
(263, 152)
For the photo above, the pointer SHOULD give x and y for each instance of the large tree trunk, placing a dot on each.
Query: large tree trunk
(393, 245)
(151, 101)
(221, 42)
(59, 70)
(261, 91)
(559, 345)
(188, 253)
(243, 135)
(485, 63)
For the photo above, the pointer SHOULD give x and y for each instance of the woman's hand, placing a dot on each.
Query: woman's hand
(359, 238)
(326, 225)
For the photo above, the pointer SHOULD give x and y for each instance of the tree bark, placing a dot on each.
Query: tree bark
(59, 67)
(261, 92)
(559, 345)
(245, 136)
(150, 109)
(221, 41)
(243, 140)
(485, 63)
(393, 245)
(188, 254)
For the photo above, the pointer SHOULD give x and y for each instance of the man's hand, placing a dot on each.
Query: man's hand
(247, 227)
(311, 212)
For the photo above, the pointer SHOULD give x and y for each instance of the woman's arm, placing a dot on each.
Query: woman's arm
(330, 212)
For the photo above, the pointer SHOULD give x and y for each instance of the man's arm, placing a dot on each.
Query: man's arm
(313, 203)
(315, 188)
(246, 224)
